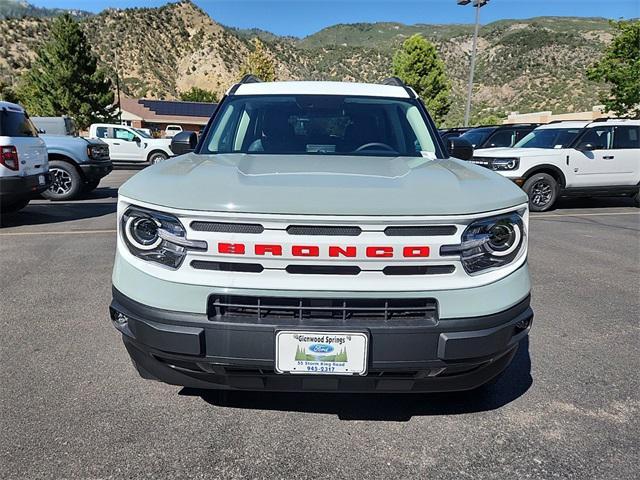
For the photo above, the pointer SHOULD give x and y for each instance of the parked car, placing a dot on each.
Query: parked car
(24, 169)
(62, 125)
(127, 144)
(76, 164)
(498, 136)
(171, 130)
(324, 240)
(447, 133)
(600, 158)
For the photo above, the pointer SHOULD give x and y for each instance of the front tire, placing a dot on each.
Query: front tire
(157, 157)
(542, 190)
(66, 181)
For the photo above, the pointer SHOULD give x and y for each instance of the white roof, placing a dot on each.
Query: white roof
(321, 88)
(11, 106)
(567, 124)
(617, 121)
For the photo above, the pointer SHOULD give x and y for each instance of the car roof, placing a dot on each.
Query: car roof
(567, 124)
(321, 88)
(11, 106)
(615, 121)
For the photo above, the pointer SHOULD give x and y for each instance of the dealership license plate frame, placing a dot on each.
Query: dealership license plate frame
(362, 354)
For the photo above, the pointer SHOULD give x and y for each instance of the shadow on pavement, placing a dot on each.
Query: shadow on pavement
(593, 202)
(512, 384)
(47, 212)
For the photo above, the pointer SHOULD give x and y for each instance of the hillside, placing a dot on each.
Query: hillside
(523, 65)
(21, 8)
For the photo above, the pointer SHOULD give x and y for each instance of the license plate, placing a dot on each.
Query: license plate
(321, 353)
(41, 179)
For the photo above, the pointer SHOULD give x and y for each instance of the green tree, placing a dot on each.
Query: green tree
(197, 94)
(620, 68)
(259, 63)
(65, 78)
(417, 64)
(6, 93)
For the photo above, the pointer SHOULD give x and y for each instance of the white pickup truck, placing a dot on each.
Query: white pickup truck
(127, 144)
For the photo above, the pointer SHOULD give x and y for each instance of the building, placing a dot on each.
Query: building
(548, 116)
(157, 114)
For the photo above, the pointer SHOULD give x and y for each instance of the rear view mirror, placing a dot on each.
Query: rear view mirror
(184, 142)
(460, 148)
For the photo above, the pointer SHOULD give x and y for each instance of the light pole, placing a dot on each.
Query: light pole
(478, 4)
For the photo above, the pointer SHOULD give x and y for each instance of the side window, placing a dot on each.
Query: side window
(502, 138)
(122, 134)
(520, 134)
(626, 137)
(599, 138)
(102, 132)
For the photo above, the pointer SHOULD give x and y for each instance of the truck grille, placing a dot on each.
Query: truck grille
(258, 308)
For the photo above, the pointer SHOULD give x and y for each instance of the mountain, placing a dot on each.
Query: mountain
(20, 9)
(524, 65)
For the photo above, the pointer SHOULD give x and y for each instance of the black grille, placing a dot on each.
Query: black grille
(418, 231)
(227, 227)
(258, 308)
(419, 270)
(227, 266)
(323, 270)
(324, 230)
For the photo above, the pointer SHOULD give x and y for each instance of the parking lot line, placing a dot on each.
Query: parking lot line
(70, 232)
(583, 214)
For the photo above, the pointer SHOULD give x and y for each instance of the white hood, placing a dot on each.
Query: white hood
(503, 152)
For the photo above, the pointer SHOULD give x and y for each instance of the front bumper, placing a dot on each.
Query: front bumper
(17, 188)
(96, 170)
(190, 349)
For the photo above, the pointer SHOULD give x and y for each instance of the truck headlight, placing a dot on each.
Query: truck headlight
(157, 237)
(505, 163)
(493, 242)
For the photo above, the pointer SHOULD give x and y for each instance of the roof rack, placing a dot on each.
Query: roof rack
(397, 82)
(246, 79)
(604, 119)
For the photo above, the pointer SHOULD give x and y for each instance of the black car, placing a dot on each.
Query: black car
(498, 136)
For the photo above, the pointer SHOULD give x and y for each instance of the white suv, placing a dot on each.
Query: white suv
(24, 166)
(127, 144)
(600, 158)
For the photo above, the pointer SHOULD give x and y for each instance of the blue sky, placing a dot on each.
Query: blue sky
(303, 17)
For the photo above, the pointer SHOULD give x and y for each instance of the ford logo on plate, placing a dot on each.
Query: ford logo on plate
(321, 348)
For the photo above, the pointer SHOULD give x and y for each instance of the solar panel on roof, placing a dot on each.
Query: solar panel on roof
(179, 109)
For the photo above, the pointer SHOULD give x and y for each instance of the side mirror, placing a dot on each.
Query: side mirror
(460, 148)
(587, 147)
(137, 139)
(184, 142)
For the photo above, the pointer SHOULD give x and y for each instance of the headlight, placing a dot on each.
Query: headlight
(505, 163)
(493, 242)
(157, 237)
(96, 151)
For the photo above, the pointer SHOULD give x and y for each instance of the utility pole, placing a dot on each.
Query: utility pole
(477, 4)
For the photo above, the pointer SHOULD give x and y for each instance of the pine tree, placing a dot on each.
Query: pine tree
(65, 78)
(259, 63)
(417, 64)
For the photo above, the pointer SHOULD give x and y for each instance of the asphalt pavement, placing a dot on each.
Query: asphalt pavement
(72, 405)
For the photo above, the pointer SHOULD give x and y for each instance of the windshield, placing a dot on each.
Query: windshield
(477, 136)
(549, 138)
(142, 133)
(320, 124)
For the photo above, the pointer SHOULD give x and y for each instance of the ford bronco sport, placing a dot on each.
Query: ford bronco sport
(321, 237)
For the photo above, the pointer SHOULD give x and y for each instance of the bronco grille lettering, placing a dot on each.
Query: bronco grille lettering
(333, 251)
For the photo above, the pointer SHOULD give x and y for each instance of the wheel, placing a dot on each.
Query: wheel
(91, 186)
(157, 157)
(542, 190)
(66, 181)
(9, 207)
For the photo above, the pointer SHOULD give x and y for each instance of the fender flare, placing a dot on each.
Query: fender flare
(546, 167)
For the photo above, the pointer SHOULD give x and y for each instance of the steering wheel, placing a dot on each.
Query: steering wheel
(367, 146)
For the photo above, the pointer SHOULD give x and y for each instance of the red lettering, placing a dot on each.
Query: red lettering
(345, 252)
(275, 250)
(305, 251)
(422, 251)
(231, 248)
(379, 252)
